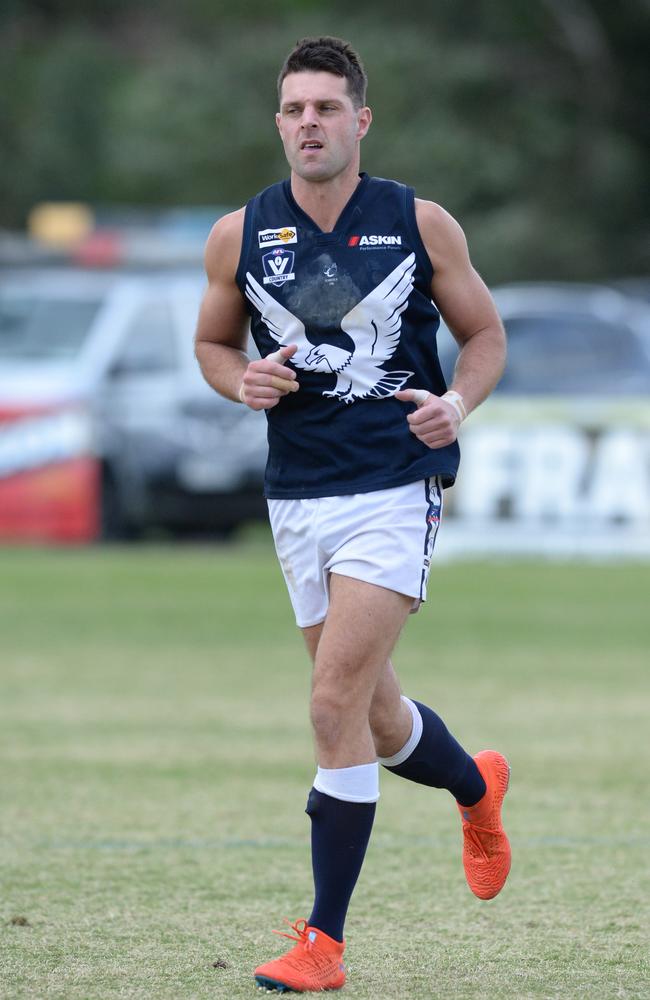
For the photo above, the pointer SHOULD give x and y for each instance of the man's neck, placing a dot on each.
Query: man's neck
(323, 201)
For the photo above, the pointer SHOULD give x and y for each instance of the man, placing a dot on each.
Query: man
(338, 273)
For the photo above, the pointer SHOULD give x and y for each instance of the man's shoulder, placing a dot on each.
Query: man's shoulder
(224, 243)
(432, 212)
(437, 226)
(226, 229)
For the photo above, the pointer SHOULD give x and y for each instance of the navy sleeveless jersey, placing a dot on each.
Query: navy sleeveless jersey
(357, 302)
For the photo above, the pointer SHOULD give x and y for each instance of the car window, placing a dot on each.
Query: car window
(149, 344)
(42, 329)
(564, 353)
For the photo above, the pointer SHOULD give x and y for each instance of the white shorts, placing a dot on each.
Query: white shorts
(385, 537)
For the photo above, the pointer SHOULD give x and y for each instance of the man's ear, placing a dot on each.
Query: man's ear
(364, 120)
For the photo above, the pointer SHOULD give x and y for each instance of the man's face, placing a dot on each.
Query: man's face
(319, 125)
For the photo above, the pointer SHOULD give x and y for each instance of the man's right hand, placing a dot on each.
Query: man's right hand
(266, 381)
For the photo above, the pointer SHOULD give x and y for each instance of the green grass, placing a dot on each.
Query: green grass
(155, 759)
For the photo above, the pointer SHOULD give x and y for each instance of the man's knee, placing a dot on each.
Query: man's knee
(327, 711)
(334, 714)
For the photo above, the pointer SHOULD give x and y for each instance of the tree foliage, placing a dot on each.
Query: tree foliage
(527, 121)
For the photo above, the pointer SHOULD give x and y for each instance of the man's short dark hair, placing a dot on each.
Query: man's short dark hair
(328, 55)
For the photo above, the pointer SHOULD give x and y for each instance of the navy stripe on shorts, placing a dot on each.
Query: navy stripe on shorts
(433, 494)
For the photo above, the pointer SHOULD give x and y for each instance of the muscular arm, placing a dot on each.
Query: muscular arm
(222, 330)
(467, 307)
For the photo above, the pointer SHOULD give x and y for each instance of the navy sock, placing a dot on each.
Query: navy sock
(340, 832)
(439, 760)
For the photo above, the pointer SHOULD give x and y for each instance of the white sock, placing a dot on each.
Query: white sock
(350, 784)
(412, 741)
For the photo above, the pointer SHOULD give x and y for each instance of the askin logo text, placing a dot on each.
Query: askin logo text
(276, 237)
(278, 266)
(375, 241)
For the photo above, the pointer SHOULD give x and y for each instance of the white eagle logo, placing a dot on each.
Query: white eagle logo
(374, 325)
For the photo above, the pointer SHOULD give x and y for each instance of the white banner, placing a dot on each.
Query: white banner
(553, 477)
(34, 441)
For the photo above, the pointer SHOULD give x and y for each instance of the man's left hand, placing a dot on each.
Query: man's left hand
(435, 422)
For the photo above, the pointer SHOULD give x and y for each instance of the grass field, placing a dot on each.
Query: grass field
(155, 762)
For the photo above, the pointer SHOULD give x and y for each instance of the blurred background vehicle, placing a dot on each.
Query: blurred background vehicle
(107, 429)
(106, 425)
(569, 339)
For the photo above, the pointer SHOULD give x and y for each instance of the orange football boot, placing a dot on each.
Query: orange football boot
(486, 851)
(314, 963)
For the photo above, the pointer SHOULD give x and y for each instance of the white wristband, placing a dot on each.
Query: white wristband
(456, 400)
(241, 393)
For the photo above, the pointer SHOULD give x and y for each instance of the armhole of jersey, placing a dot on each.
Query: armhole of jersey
(240, 274)
(418, 244)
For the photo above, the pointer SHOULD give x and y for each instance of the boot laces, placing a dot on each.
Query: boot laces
(301, 936)
(472, 832)
(297, 958)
